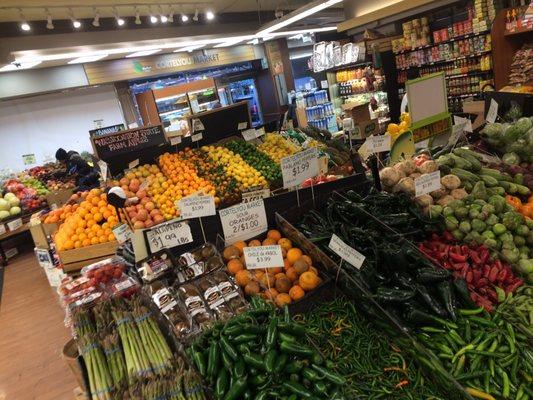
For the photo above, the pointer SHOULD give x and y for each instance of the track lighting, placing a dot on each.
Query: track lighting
(49, 22)
(96, 20)
(171, 17)
(137, 17)
(164, 19)
(24, 24)
(184, 18)
(209, 15)
(153, 19)
(195, 17)
(75, 23)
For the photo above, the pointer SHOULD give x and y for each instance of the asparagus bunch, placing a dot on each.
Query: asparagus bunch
(100, 381)
(115, 359)
(82, 322)
(192, 385)
(102, 316)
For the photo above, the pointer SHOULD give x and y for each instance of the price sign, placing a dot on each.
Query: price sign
(133, 164)
(427, 183)
(263, 257)
(255, 195)
(364, 151)
(465, 122)
(174, 141)
(299, 167)
(493, 112)
(2, 229)
(242, 125)
(103, 169)
(378, 144)
(196, 206)
(346, 252)
(243, 221)
(168, 235)
(145, 184)
(15, 224)
(122, 233)
(259, 132)
(197, 137)
(248, 134)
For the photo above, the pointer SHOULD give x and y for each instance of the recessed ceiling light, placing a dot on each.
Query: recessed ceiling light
(16, 66)
(210, 15)
(120, 21)
(87, 59)
(143, 53)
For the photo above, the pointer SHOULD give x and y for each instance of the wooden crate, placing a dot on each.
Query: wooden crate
(59, 198)
(87, 254)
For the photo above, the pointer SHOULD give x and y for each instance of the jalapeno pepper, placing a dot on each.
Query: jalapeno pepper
(291, 328)
(254, 360)
(244, 338)
(296, 388)
(270, 360)
(213, 360)
(297, 349)
(228, 347)
(239, 369)
(237, 388)
(272, 332)
(200, 362)
(222, 383)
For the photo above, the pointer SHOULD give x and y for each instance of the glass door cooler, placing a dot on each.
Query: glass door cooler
(245, 89)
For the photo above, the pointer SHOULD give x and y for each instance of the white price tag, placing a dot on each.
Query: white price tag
(2, 229)
(196, 206)
(243, 221)
(242, 125)
(145, 184)
(427, 183)
(168, 235)
(346, 252)
(263, 257)
(378, 144)
(15, 224)
(103, 169)
(259, 132)
(467, 124)
(255, 195)
(364, 151)
(248, 134)
(197, 137)
(493, 112)
(174, 141)
(122, 233)
(133, 164)
(299, 167)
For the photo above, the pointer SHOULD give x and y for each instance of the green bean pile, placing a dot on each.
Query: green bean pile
(374, 368)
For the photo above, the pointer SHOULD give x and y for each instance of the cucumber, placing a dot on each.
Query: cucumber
(496, 174)
(522, 190)
(509, 187)
(489, 180)
(445, 160)
(465, 175)
(471, 153)
(464, 153)
(460, 162)
(496, 190)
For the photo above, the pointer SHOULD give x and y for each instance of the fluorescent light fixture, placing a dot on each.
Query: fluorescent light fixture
(143, 53)
(303, 55)
(184, 18)
(87, 59)
(253, 41)
(302, 31)
(234, 40)
(25, 26)
(16, 66)
(209, 15)
(297, 15)
(190, 49)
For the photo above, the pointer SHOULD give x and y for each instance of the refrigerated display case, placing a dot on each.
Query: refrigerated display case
(245, 89)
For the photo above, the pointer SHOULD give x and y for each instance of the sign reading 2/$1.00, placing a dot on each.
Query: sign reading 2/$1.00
(132, 140)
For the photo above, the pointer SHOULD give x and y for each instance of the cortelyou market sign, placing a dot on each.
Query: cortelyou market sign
(134, 68)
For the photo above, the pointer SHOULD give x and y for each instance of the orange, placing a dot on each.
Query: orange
(243, 277)
(269, 242)
(292, 274)
(283, 299)
(270, 294)
(240, 245)
(286, 264)
(86, 242)
(296, 293)
(234, 266)
(313, 269)
(274, 235)
(77, 244)
(293, 255)
(95, 240)
(254, 243)
(98, 217)
(285, 244)
(308, 281)
(275, 270)
(69, 244)
(102, 239)
(307, 259)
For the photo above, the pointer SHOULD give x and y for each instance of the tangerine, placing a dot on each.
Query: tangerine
(274, 235)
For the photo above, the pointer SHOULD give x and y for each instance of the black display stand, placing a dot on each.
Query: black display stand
(506, 99)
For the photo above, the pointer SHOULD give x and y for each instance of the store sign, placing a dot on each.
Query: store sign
(248, 134)
(125, 69)
(168, 235)
(299, 167)
(427, 183)
(107, 130)
(346, 252)
(130, 141)
(196, 206)
(174, 141)
(28, 159)
(243, 221)
(122, 233)
(263, 257)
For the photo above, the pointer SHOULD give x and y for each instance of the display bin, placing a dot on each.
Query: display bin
(50, 229)
(74, 260)
(59, 198)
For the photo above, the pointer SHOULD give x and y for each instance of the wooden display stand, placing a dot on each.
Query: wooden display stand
(59, 198)
(76, 259)
(504, 46)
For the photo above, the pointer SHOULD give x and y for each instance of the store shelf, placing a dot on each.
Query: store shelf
(454, 39)
(461, 96)
(479, 54)
(518, 31)
(472, 73)
(174, 111)
(348, 66)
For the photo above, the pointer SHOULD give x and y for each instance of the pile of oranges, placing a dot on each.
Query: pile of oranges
(282, 285)
(91, 222)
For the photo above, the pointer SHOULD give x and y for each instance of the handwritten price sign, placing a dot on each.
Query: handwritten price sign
(427, 183)
(346, 252)
(243, 221)
(263, 257)
(196, 206)
(299, 167)
(166, 236)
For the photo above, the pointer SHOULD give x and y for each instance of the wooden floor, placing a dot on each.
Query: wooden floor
(32, 335)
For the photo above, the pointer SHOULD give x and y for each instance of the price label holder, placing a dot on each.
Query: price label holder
(133, 164)
(2, 229)
(493, 112)
(197, 137)
(346, 252)
(259, 132)
(15, 224)
(103, 169)
(427, 183)
(249, 134)
(255, 195)
(378, 143)
(196, 207)
(122, 233)
(242, 126)
(263, 257)
(171, 234)
(243, 221)
(174, 141)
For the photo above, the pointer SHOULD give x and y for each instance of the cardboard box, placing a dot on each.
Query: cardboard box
(59, 198)
(477, 108)
(365, 129)
(38, 235)
(359, 113)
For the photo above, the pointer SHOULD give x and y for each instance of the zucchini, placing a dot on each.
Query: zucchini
(464, 153)
(465, 175)
(461, 162)
(496, 174)
(489, 180)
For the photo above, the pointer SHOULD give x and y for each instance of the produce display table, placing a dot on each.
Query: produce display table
(24, 228)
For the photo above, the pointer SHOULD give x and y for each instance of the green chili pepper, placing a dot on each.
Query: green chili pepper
(473, 311)
(222, 383)
(330, 376)
(291, 328)
(272, 332)
(297, 349)
(258, 380)
(213, 359)
(237, 389)
(270, 360)
(226, 360)
(280, 363)
(244, 338)
(228, 347)
(254, 360)
(294, 366)
(239, 369)
(285, 337)
(297, 389)
(200, 362)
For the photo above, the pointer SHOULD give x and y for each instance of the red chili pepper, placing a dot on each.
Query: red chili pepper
(475, 257)
(460, 266)
(502, 275)
(447, 265)
(469, 276)
(464, 249)
(482, 282)
(448, 236)
(477, 275)
(510, 275)
(484, 256)
(498, 264)
(457, 257)
(493, 275)
(513, 286)
(486, 270)
(491, 294)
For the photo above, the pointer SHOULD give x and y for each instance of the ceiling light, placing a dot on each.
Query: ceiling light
(298, 56)
(254, 41)
(184, 18)
(302, 31)
(49, 22)
(137, 17)
(153, 19)
(76, 24)
(24, 24)
(210, 15)
(297, 15)
(195, 17)
(143, 53)
(16, 66)
(88, 59)
(120, 21)
(164, 19)
(96, 20)
(190, 49)
(233, 40)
